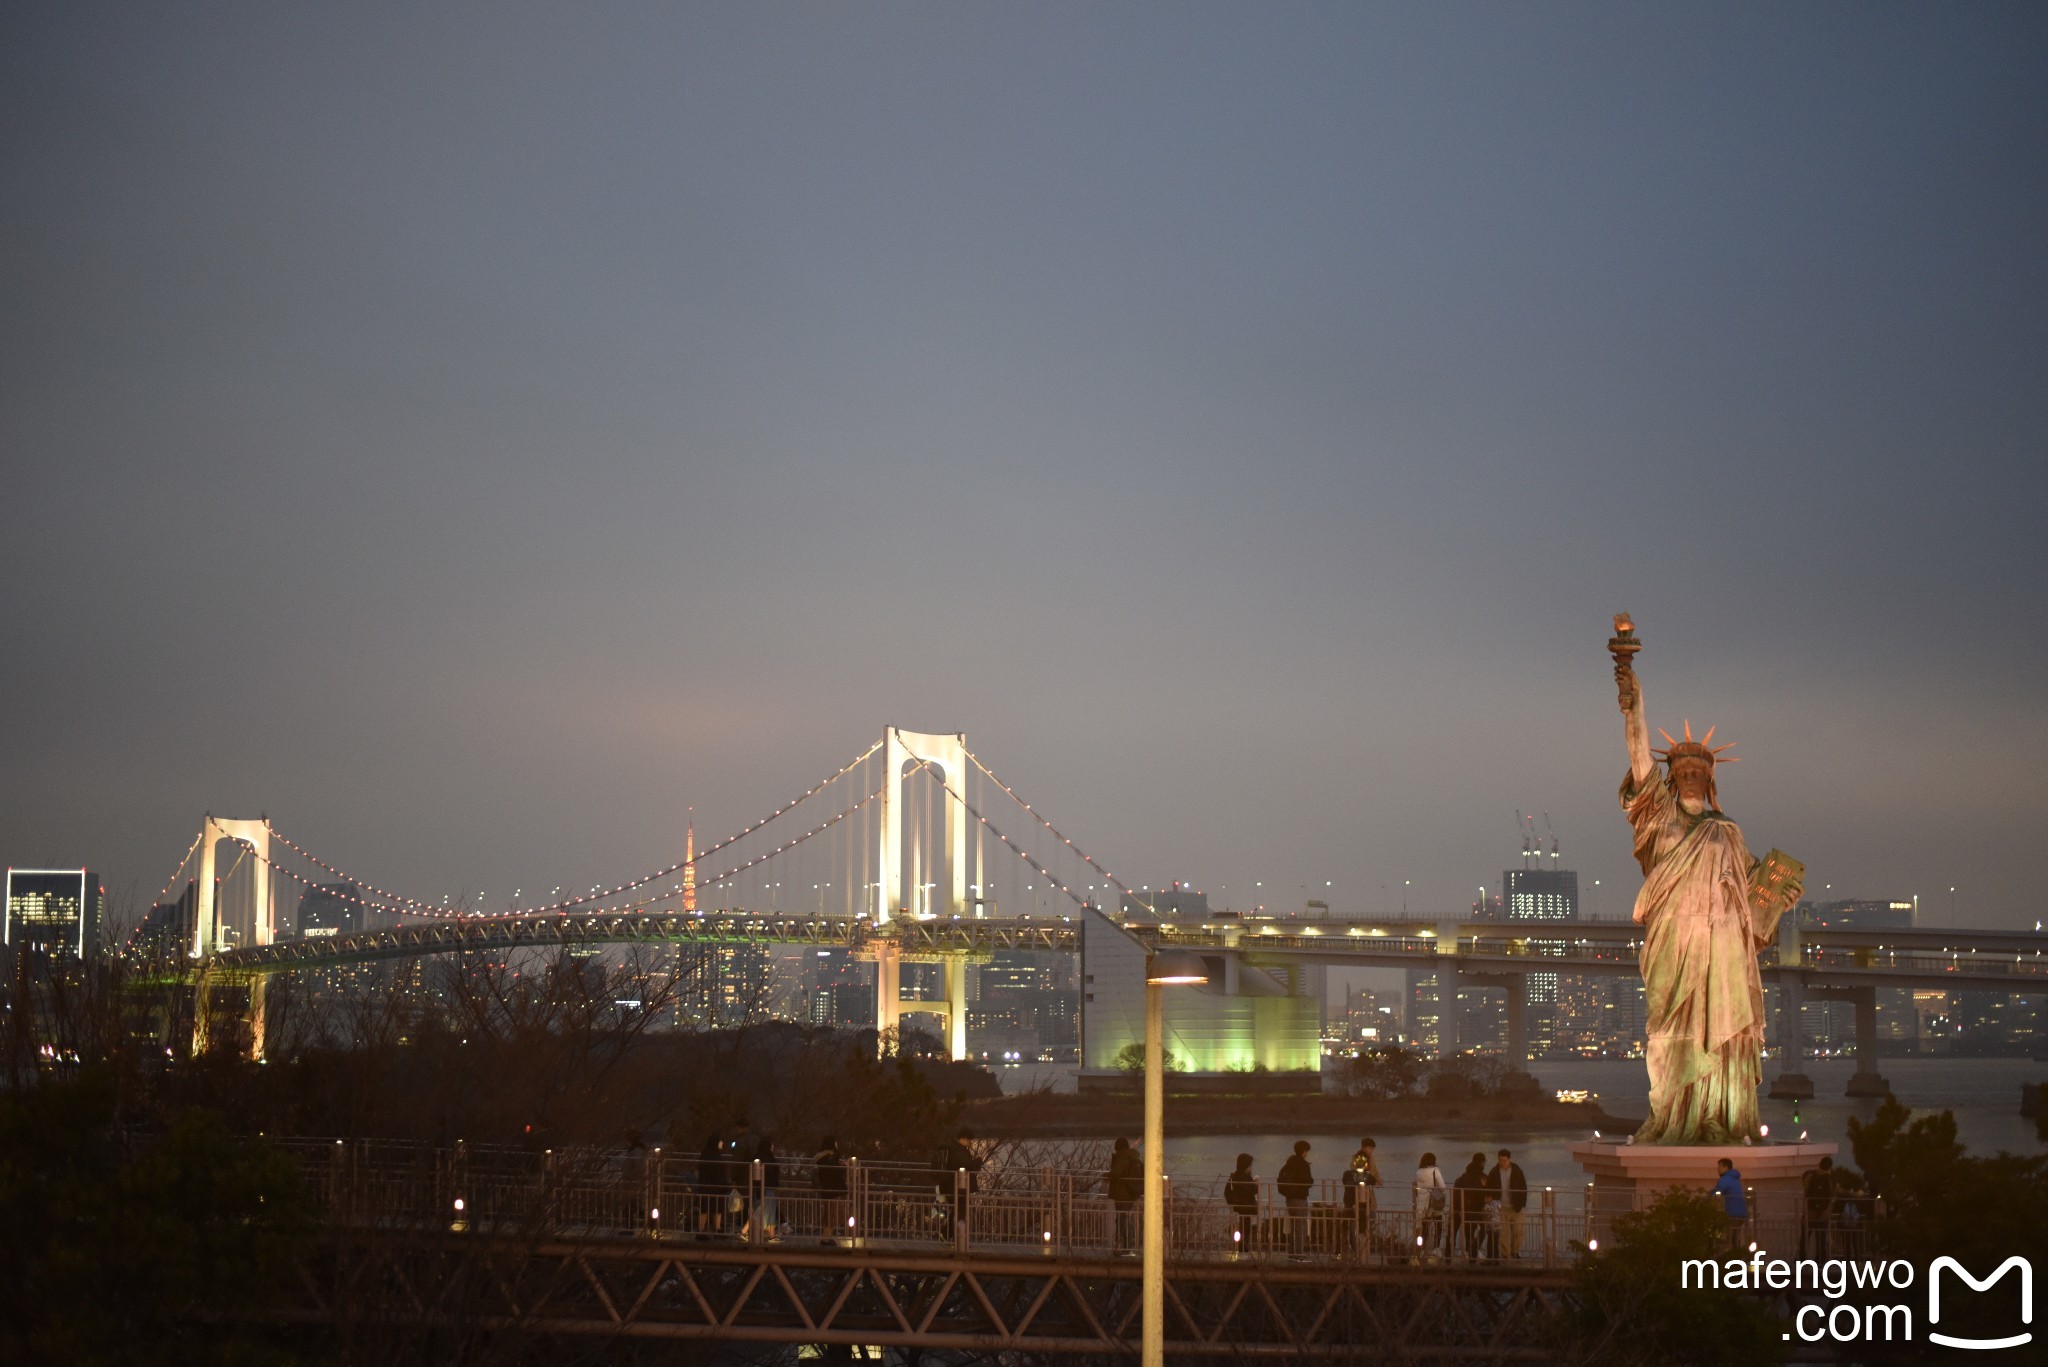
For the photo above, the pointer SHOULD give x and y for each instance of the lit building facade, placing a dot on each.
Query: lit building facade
(163, 934)
(329, 910)
(1540, 895)
(1858, 914)
(728, 985)
(56, 911)
(1245, 1020)
(1016, 1011)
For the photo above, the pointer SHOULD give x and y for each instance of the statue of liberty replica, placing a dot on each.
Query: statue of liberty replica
(1707, 907)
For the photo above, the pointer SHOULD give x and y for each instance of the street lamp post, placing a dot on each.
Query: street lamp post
(1162, 970)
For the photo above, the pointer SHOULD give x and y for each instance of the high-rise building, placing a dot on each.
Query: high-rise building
(1541, 895)
(54, 910)
(1008, 972)
(1015, 1009)
(1598, 1017)
(841, 989)
(1372, 1018)
(329, 910)
(164, 932)
(1424, 1007)
(728, 985)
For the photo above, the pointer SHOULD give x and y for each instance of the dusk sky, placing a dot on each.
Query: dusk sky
(472, 433)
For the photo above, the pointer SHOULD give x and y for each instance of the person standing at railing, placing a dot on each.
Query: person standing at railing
(1854, 1207)
(1468, 1208)
(1360, 1179)
(712, 1186)
(1734, 1204)
(740, 1156)
(1294, 1184)
(633, 1174)
(828, 1174)
(1820, 1207)
(1241, 1194)
(955, 1173)
(1507, 1187)
(1126, 1186)
(1430, 1194)
(771, 1178)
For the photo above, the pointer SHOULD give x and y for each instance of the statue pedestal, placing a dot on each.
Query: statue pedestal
(1630, 1176)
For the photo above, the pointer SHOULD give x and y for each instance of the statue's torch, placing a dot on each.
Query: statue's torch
(1623, 645)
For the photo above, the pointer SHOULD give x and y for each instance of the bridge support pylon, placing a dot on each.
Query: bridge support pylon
(1866, 1080)
(206, 928)
(888, 989)
(953, 1008)
(956, 1005)
(1516, 988)
(1791, 1083)
(946, 755)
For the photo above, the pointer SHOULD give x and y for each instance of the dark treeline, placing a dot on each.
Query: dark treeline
(1389, 1072)
(145, 1216)
(557, 1051)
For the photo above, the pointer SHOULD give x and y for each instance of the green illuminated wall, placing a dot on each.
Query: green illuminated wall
(1207, 1029)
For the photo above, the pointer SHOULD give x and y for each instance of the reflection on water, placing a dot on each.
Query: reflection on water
(1983, 1093)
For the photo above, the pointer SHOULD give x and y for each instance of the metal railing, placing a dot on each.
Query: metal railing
(654, 1193)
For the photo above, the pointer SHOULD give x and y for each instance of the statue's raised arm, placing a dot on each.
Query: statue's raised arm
(1623, 645)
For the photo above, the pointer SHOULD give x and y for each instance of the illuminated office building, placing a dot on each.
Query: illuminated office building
(54, 910)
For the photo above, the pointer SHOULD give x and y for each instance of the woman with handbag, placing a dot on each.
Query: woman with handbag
(1431, 1194)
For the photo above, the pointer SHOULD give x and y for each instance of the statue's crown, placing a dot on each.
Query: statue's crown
(1690, 751)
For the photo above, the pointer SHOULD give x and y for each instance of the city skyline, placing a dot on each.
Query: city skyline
(476, 444)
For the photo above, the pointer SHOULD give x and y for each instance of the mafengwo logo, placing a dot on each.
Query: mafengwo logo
(1853, 1318)
(2026, 1271)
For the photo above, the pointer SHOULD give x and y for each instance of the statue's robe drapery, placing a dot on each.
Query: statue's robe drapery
(1704, 996)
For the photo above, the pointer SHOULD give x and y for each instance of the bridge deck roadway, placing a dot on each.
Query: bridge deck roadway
(1933, 958)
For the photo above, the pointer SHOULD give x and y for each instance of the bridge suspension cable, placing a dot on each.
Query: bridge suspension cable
(400, 905)
(1054, 830)
(1020, 851)
(190, 850)
(714, 880)
(783, 848)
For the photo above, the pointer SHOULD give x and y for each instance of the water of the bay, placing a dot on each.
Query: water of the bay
(1984, 1095)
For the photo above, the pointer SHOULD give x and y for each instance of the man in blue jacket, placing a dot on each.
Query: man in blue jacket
(1734, 1204)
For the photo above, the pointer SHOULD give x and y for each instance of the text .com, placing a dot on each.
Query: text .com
(1865, 1320)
